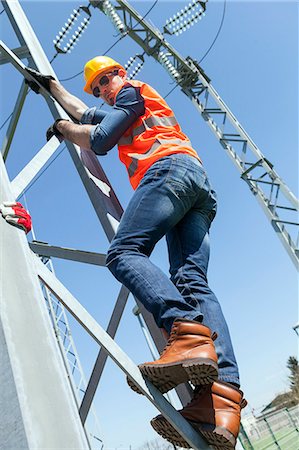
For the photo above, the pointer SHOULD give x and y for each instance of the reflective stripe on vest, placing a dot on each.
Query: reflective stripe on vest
(138, 156)
(153, 121)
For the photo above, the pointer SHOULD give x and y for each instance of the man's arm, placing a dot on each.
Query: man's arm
(72, 104)
(105, 135)
(129, 105)
(78, 134)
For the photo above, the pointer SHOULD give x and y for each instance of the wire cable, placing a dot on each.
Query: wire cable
(40, 174)
(6, 120)
(171, 90)
(218, 32)
(2, 11)
(79, 73)
(209, 49)
(113, 45)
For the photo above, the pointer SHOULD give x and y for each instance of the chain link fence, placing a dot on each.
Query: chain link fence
(274, 430)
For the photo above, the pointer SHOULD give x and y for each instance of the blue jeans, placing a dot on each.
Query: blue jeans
(175, 199)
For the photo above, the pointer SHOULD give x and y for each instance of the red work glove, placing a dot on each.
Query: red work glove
(15, 214)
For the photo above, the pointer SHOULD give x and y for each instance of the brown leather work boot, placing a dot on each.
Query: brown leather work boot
(188, 356)
(215, 411)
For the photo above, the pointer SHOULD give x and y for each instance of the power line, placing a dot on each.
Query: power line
(79, 73)
(113, 45)
(209, 49)
(171, 90)
(150, 9)
(6, 120)
(218, 32)
(47, 167)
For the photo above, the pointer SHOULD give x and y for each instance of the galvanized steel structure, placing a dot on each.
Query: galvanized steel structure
(30, 411)
(26, 398)
(277, 201)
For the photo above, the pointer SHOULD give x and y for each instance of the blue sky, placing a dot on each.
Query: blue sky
(254, 68)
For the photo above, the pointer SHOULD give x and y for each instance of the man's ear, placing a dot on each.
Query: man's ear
(122, 73)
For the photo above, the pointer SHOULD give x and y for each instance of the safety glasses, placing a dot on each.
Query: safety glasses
(103, 81)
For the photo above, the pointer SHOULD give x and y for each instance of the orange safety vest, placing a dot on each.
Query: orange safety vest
(152, 136)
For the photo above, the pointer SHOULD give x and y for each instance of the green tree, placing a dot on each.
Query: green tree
(293, 366)
(290, 398)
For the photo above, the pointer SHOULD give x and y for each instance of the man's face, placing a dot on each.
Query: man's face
(106, 85)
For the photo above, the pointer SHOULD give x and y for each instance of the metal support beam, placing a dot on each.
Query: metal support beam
(51, 251)
(24, 178)
(14, 120)
(102, 356)
(119, 357)
(37, 395)
(21, 52)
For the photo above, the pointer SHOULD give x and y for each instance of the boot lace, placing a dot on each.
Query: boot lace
(169, 342)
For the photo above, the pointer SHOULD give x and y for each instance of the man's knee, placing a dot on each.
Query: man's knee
(112, 254)
(116, 253)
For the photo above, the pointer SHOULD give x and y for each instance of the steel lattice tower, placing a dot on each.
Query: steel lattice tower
(56, 407)
(255, 169)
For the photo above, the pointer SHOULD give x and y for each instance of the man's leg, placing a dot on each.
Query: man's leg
(166, 193)
(215, 409)
(151, 213)
(189, 250)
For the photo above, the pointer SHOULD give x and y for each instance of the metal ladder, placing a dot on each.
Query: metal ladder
(17, 310)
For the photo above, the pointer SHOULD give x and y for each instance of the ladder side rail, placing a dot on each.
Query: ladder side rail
(118, 356)
(14, 120)
(22, 305)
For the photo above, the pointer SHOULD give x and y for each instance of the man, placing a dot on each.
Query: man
(172, 198)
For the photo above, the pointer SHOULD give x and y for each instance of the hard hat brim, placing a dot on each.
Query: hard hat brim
(87, 87)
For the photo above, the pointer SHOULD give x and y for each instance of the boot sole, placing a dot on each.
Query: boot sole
(199, 371)
(220, 438)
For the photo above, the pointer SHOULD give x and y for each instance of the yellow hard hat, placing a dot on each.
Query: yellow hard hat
(95, 67)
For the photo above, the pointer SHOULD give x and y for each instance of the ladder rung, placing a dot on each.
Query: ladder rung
(285, 222)
(234, 139)
(258, 180)
(283, 207)
(214, 111)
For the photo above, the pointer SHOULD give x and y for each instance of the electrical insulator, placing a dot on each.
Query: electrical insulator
(66, 47)
(185, 18)
(163, 58)
(132, 67)
(110, 11)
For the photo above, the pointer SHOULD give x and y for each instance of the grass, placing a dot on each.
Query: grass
(287, 439)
